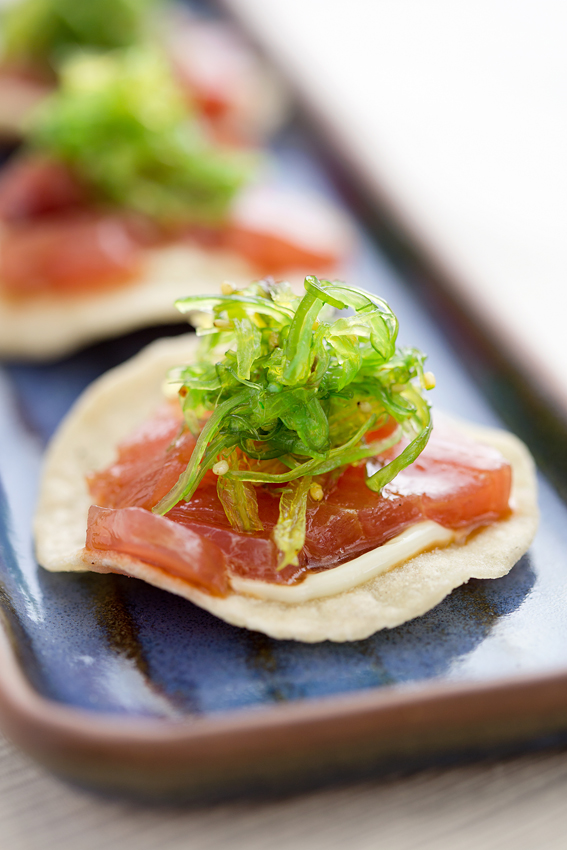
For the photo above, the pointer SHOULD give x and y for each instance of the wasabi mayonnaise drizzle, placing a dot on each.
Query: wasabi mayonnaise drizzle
(397, 551)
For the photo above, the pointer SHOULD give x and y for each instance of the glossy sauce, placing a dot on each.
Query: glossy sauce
(456, 482)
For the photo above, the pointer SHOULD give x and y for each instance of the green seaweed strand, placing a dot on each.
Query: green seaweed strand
(286, 383)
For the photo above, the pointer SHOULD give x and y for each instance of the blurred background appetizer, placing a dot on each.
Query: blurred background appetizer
(121, 197)
(222, 79)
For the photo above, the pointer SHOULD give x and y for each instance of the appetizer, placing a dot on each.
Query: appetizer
(284, 473)
(120, 198)
(222, 80)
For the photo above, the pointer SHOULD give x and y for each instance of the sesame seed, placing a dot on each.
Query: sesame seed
(428, 380)
(220, 468)
(316, 492)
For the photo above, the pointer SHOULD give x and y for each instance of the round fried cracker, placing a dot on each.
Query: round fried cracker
(119, 401)
(46, 326)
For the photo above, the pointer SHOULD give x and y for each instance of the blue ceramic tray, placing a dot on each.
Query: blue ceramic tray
(110, 659)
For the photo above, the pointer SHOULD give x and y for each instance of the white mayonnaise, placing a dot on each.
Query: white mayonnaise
(398, 550)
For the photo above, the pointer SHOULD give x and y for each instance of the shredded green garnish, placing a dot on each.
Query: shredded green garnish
(281, 392)
(41, 33)
(120, 121)
(238, 497)
(289, 533)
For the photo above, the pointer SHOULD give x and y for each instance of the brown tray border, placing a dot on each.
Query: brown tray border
(279, 747)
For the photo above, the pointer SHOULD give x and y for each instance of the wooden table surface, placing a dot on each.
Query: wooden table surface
(519, 804)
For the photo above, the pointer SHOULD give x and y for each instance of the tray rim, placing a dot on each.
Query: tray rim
(224, 752)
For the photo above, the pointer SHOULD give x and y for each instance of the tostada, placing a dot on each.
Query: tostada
(119, 199)
(284, 472)
(223, 81)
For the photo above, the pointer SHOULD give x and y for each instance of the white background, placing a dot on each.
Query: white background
(456, 112)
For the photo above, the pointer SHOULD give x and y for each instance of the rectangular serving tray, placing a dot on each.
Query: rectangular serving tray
(127, 689)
